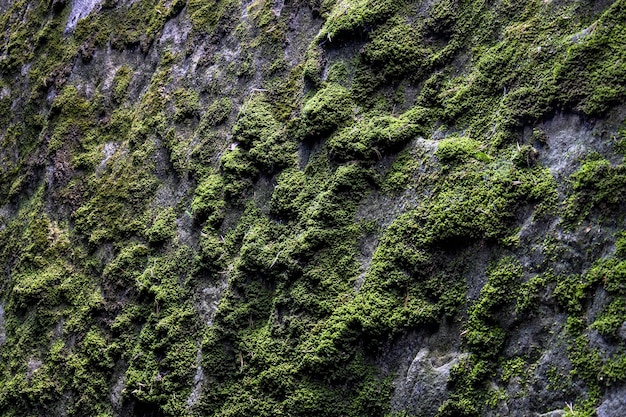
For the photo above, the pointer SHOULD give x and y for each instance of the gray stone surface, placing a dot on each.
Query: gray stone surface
(614, 404)
(80, 9)
(423, 387)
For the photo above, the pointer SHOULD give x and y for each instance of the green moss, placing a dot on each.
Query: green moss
(301, 322)
(163, 360)
(127, 265)
(247, 321)
(467, 380)
(595, 368)
(328, 109)
(51, 299)
(275, 153)
(347, 17)
(33, 288)
(590, 72)
(141, 22)
(206, 16)
(312, 69)
(513, 368)
(72, 116)
(262, 137)
(208, 202)
(585, 359)
(5, 109)
(119, 124)
(484, 337)
(93, 31)
(255, 122)
(469, 207)
(338, 73)
(611, 319)
(457, 150)
(397, 49)
(115, 203)
(286, 93)
(571, 292)
(217, 113)
(121, 81)
(212, 254)
(528, 299)
(239, 172)
(611, 272)
(511, 82)
(287, 201)
(596, 184)
(186, 104)
(620, 245)
(399, 176)
(163, 226)
(526, 156)
(442, 19)
(374, 136)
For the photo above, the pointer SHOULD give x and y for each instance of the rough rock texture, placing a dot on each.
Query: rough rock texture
(312, 208)
(79, 10)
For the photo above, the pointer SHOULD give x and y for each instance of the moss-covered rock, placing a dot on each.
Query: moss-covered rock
(310, 208)
(328, 109)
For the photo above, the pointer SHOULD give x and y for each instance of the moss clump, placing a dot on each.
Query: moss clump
(290, 274)
(312, 69)
(620, 245)
(99, 288)
(5, 109)
(126, 267)
(207, 17)
(163, 226)
(347, 17)
(610, 321)
(262, 138)
(287, 199)
(328, 109)
(52, 298)
(467, 380)
(374, 136)
(167, 342)
(339, 73)
(596, 368)
(217, 113)
(71, 117)
(442, 20)
(212, 254)
(255, 122)
(208, 202)
(239, 172)
(397, 49)
(186, 104)
(589, 76)
(478, 204)
(459, 149)
(110, 210)
(141, 22)
(484, 337)
(121, 82)
(596, 184)
(403, 171)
